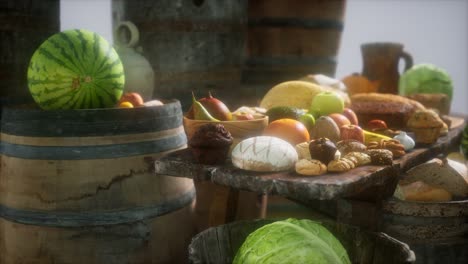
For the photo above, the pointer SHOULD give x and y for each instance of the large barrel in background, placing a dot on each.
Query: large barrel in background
(287, 40)
(24, 25)
(192, 45)
(77, 186)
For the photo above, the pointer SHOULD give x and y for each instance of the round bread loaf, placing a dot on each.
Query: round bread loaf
(264, 153)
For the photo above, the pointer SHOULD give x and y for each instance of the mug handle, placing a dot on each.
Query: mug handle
(408, 59)
(123, 28)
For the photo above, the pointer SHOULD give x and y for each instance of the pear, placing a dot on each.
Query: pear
(200, 112)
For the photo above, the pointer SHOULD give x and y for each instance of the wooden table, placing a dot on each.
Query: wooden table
(352, 196)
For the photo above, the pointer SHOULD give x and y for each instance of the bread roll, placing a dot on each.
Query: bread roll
(310, 167)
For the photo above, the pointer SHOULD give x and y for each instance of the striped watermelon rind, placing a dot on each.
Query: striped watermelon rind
(75, 69)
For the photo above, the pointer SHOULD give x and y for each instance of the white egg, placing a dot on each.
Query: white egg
(264, 153)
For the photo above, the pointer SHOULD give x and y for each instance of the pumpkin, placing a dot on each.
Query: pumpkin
(357, 83)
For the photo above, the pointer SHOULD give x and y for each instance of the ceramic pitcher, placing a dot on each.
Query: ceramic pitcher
(380, 63)
(139, 75)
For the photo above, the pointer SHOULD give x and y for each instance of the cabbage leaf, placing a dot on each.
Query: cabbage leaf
(292, 241)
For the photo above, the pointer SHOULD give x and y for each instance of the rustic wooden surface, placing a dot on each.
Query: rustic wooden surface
(371, 183)
(325, 187)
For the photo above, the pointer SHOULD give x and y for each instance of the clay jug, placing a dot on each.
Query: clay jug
(139, 75)
(380, 63)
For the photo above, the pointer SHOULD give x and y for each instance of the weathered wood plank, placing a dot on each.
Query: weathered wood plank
(371, 183)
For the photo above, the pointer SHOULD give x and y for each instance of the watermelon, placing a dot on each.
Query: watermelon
(75, 69)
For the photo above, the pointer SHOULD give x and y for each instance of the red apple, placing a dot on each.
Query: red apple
(351, 115)
(242, 116)
(376, 124)
(134, 98)
(340, 119)
(352, 132)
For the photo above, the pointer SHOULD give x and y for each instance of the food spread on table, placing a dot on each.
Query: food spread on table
(312, 126)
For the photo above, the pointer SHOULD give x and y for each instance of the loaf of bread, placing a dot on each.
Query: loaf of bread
(447, 174)
(264, 153)
(395, 110)
(422, 192)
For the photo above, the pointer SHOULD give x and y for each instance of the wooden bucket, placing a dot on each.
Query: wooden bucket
(77, 186)
(220, 244)
(24, 25)
(436, 231)
(287, 40)
(192, 45)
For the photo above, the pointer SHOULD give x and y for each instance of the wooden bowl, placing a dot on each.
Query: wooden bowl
(239, 129)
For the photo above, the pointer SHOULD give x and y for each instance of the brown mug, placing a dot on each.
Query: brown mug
(380, 63)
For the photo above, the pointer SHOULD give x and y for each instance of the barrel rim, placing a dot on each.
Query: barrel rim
(6, 108)
(426, 209)
(411, 203)
(90, 122)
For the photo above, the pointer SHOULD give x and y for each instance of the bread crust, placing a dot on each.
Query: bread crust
(394, 109)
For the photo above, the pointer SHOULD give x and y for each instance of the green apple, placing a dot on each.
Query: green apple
(326, 103)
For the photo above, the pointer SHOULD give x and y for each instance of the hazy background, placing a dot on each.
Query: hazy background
(433, 31)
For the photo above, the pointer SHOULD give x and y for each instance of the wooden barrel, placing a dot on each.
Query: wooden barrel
(24, 25)
(192, 45)
(220, 244)
(77, 186)
(287, 40)
(436, 231)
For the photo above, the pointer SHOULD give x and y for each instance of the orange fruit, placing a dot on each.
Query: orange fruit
(126, 104)
(134, 98)
(293, 131)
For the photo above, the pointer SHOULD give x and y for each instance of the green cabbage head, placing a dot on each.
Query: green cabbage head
(425, 78)
(291, 241)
